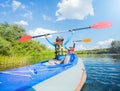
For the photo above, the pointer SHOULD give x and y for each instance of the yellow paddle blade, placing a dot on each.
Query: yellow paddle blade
(86, 40)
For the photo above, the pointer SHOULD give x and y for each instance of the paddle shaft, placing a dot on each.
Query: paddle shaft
(61, 32)
(78, 41)
(97, 25)
(80, 28)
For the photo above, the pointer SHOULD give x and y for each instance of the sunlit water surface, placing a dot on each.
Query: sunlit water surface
(103, 73)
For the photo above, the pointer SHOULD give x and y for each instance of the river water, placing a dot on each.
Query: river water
(103, 73)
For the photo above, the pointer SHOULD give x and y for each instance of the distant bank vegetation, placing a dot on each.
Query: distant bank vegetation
(114, 49)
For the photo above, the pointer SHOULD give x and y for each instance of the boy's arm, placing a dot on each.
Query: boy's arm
(49, 41)
(69, 38)
(74, 45)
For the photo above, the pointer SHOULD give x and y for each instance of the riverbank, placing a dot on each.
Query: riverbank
(98, 55)
(10, 62)
(15, 54)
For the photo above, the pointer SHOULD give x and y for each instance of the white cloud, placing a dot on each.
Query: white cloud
(15, 5)
(94, 47)
(80, 47)
(28, 14)
(46, 18)
(40, 31)
(18, 5)
(50, 47)
(99, 44)
(105, 43)
(22, 22)
(23, 7)
(74, 9)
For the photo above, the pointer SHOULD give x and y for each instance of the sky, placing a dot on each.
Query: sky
(50, 16)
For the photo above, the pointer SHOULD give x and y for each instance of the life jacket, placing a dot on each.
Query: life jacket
(59, 50)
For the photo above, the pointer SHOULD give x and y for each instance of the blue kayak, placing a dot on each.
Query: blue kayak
(28, 77)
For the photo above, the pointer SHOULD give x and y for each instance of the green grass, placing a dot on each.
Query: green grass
(9, 62)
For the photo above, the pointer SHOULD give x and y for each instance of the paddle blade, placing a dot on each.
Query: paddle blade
(105, 24)
(86, 40)
(25, 38)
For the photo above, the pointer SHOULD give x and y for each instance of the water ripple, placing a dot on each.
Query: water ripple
(102, 75)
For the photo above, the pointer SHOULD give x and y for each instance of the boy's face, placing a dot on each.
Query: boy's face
(60, 42)
(71, 50)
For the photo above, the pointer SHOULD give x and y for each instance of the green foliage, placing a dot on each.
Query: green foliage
(115, 47)
(9, 62)
(4, 46)
(12, 32)
(10, 45)
(95, 51)
(15, 54)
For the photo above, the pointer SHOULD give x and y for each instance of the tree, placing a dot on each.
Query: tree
(4, 47)
(9, 41)
(13, 32)
(115, 47)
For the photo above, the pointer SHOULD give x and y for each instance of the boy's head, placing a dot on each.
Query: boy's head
(59, 40)
(71, 50)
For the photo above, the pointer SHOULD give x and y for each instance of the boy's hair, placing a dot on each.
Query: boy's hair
(59, 38)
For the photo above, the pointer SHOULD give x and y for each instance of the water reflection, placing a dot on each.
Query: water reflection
(103, 73)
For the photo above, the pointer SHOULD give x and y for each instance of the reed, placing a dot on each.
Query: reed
(10, 62)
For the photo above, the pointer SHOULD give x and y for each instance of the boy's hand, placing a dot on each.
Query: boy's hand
(71, 30)
(46, 35)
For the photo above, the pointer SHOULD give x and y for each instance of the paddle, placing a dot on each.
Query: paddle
(97, 25)
(83, 40)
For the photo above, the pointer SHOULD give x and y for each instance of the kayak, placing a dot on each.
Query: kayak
(45, 77)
